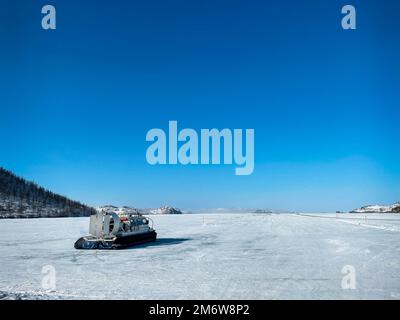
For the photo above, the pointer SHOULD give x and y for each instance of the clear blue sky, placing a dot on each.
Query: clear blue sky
(76, 103)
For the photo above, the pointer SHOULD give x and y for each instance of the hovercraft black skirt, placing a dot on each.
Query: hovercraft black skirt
(118, 242)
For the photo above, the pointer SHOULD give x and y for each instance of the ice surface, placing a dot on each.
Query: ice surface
(210, 256)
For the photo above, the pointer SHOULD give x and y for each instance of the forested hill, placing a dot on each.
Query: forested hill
(20, 198)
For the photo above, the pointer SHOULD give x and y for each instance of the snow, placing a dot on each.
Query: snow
(209, 256)
(165, 210)
(127, 210)
(377, 208)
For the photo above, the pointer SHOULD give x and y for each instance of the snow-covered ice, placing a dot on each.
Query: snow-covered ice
(209, 256)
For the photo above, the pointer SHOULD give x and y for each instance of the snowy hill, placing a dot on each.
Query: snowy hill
(394, 208)
(119, 210)
(20, 198)
(165, 210)
(126, 210)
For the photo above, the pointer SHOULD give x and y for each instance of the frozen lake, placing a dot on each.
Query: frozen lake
(210, 256)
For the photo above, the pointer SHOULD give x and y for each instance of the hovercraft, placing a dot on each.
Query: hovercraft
(108, 230)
